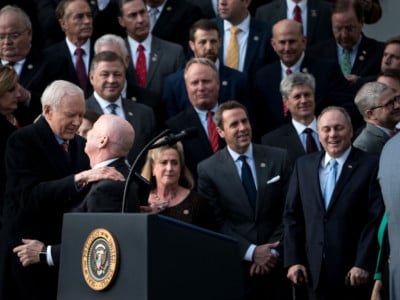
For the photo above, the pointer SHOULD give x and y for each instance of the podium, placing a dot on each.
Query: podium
(154, 257)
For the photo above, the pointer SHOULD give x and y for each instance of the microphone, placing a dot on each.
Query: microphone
(172, 139)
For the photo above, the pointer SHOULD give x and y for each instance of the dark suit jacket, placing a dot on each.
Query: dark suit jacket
(233, 86)
(206, 7)
(175, 20)
(371, 139)
(165, 58)
(40, 189)
(106, 195)
(342, 236)
(141, 118)
(61, 65)
(220, 183)
(259, 49)
(368, 59)
(195, 149)
(331, 89)
(319, 25)
(285, 137)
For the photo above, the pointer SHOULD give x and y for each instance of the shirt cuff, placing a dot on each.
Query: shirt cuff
(249, 253)
(49, 258)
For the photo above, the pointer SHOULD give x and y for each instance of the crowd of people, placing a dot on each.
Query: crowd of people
(296, 112)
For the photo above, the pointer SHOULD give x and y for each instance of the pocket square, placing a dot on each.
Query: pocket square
(274, 179)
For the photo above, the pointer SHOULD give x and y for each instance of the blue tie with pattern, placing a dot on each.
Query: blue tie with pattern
(330, 182)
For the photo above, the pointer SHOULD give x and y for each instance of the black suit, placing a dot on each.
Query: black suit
(329, 242)
(331, 89)
(319, 25)
(40, 189)
(195, 149)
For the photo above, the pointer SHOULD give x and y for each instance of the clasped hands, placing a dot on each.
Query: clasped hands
(263, 259)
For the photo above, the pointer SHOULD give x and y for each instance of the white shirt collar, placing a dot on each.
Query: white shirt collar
(133, 44)
(104, 103)
(300, 127)
(341, 160)
(244, 25)
(105, 163)
(294, 68)
(72, 47)
(235, 156)
(291, 5)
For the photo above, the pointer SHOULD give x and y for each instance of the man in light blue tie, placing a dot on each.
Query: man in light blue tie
(332, 213)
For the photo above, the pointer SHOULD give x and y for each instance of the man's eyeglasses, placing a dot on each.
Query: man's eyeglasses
(347, 29)
(389, 104)
(12, 36)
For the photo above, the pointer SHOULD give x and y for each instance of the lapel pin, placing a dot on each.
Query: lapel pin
(313, 13)
(350, 166)
(225, 83)
(304, 70)
(93, 2)
(361, 58)
(30, 67)
(130, 114)
(154, 57)
(256, 38)
(364, 52)
(134, 98)
(169, 8)
(263, 165)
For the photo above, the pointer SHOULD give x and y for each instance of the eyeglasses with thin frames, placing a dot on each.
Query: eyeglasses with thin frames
(389, 104)
(12, 36)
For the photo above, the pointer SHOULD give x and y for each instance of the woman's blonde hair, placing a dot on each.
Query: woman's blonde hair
(8, 79)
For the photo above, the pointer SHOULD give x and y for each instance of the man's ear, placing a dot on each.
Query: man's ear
(103, 142)
(221, 132)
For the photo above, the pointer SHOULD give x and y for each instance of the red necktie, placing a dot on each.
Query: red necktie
(80, 68)
(297, 14)
(212, 131)
(64, 145)
(141, 71)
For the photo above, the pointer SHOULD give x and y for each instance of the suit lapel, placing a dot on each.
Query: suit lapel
(263, 172)
(293, 141)
(253, 44)
(154, 59)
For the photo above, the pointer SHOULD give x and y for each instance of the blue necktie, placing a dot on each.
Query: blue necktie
(330, 182)
(112, 108)
(248, 182)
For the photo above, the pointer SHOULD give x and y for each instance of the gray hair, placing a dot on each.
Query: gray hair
(202, 61)
(296, 79)
(53, 93)
(368, 96)
(111, 39)
(335, 108)
(20, 12)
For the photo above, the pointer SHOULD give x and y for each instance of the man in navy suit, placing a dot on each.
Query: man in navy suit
(107, 75)
(75, 18)
(298, 90)
(365, 54)
(289, 44)
(253, 216)
(253, 39)
(315, 17)
(332, 214)
(205, 41)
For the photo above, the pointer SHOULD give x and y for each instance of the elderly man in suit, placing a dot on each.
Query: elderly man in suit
(332, 213)
(152, 58)
(16, 51)
(388, 180)
(380, 106)
(46, 177)
(205, 41)
(299, 136)
(313, 14)
(70, 59)
(358, 55)
(289, 44)
(246, 185)
(107, 75)
(251, 36)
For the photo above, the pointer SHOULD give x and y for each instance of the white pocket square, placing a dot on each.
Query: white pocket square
(274, 179)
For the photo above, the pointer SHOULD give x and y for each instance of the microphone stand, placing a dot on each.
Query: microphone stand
(131, 171)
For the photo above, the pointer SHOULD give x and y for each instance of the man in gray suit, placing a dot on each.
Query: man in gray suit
(380, 107)
(161, 57)
(315, 16)
(246, 184)
(107, 75)
(389, 181)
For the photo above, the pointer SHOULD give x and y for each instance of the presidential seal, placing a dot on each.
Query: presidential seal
(99, 259)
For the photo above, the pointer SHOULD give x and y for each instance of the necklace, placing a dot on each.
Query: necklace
(162, 204)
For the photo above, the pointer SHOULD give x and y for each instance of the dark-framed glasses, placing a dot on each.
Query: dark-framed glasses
(12, 36)
(389, 104)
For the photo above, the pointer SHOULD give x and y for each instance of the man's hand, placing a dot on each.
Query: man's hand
(92, 175)
(357, 276)
(28, 252)
(293, 274)
(264, 260)
(376, 292)
(352, 78)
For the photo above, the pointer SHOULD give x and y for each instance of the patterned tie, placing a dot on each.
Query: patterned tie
(212, 131)
(153, 12)
(232, 54)
(297, 14)
(248, 182)
(64, 145)
(345, 62)
(311, 145)
(80, 68)
(330, 182)
(112, 107)
(141, 70)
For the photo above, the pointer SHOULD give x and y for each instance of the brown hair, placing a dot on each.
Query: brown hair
(8, 79)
